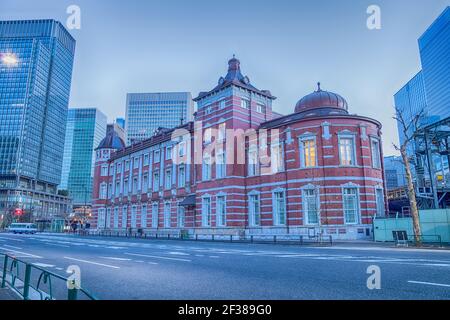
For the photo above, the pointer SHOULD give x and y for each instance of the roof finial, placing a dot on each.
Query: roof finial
(234, 56)
(318, 86)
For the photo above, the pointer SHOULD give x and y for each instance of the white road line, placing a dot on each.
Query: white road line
(43, 265)
(56, 245)
(215, 257)
(158, 257)
(18, 240)
(24, 254)
(430, 283)
(179, 253)
(115, 258)
(92, 262)
(8, 246)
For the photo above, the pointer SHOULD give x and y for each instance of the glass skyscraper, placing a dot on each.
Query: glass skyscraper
(146, 112)
(36, 60)
(86, 127)
(434, 46)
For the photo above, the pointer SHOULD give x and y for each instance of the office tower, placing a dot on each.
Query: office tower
(146, 112)
(86, 127)
(36, 60)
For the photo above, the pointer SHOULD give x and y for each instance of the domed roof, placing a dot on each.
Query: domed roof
(321, 100)
(111, 141)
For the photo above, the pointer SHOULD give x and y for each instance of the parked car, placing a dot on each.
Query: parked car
(27, 228)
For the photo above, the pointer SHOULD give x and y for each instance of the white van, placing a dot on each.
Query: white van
(27, 228)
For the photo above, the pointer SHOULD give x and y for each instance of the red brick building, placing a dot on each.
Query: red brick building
(239, 168)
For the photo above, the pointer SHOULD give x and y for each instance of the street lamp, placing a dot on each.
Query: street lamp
(9, 59)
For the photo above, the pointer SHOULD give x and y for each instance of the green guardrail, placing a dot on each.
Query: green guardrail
(35, 283)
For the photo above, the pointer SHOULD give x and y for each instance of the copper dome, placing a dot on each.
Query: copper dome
(321, 99)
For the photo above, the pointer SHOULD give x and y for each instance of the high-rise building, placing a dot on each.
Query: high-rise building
(36, 61)
(118, 129)
(121, 122)
(434, 46)
(394, 172)
(86, 127)
(146, 112)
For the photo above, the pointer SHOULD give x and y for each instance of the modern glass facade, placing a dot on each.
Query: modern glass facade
(434, 46)
(394, 170)
(410, 100)
(86, 127)
(146, 112)
(36, 60)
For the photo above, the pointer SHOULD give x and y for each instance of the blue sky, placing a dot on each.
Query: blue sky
(284, 46)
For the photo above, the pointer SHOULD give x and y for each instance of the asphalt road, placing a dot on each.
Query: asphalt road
(119, 268)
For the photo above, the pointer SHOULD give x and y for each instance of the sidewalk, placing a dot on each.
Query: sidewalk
(8, 294)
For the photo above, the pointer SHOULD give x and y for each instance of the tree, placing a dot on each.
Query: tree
(409, 128)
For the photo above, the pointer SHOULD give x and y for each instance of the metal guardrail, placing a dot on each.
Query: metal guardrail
(35, 283)
(177, 235)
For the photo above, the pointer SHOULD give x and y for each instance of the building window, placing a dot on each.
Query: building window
(380, 202)
(276, 155)
(245, 104)
(110, 191)
(208, 110)
(182, 149)
(127, 165)
(221, 132)
(376, 158)
(221, 167)
(261, 108)
(311, 206)
(155, 181)
(111, 169)
(181, 216)
(253, 163)
(146, 159)
(206, 168)
(255, 210)
(101, 218)
(144, 216)
(125, 187)
(116, 218)
(222, 104)
(168, 153)
(221, 211)
(167, 215)
(168, 180)
(136, 163)
(145, 182)
(207, 136)
(119, 168)
(103, 191)
(206, 212)
(133, 216)
(351, 205)
(181, 177)
(117, 188)
(347, 151)
(157, 156)
(124, 217)
(155, 215)
(279, 208)
(104, 171)
(308, 152)
(135, 184)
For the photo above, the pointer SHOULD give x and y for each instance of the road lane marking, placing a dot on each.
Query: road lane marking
(24, 254)
(430, 283)
(56, 245)
(13, 247)
(179, 253)
(43, 265)
(115, 258)
(214, 257)
(18, 240)
(158, 257)
(92, 262)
